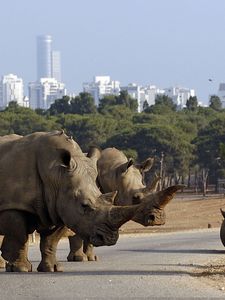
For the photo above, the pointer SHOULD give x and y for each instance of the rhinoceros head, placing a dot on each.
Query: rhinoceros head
(151, 211)
(129, 180)
(72, 196)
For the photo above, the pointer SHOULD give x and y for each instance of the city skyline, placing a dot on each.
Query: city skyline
(170, 43)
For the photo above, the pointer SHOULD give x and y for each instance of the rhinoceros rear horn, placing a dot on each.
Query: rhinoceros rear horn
(152, 186)
(109, 197)
(165, 196)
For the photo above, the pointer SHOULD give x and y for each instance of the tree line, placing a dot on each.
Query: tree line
(188, 144)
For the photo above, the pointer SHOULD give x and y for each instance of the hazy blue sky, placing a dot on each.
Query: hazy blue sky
(161, 42)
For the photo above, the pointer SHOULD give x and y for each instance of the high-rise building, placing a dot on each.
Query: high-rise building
(44, 56)
(56, 65)
(48, 61)
(11, 89)
(44, 92)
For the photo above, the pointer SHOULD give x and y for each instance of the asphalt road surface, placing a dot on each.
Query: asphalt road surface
(153, 266)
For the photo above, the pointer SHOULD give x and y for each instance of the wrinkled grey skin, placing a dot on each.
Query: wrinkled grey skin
(47, 182)
(116, 172)
(222, 228)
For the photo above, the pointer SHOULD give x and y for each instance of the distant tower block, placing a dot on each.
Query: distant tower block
(56, 66)
(44, 56)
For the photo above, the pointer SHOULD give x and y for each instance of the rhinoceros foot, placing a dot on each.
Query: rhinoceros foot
(93, 258)
(77, 257)
(49, 266)
(2, 263)
(18, 266)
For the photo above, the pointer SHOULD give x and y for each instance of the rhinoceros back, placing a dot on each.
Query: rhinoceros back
(21, 161)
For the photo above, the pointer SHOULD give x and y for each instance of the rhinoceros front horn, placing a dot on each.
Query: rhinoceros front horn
(165, 196)
(119, 215)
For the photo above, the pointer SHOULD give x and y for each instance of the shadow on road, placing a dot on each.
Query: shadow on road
(191, 251)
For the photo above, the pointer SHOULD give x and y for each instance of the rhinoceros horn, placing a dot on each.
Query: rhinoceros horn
(121, 214)
(152, 186)
(109, 197)
(165, 196)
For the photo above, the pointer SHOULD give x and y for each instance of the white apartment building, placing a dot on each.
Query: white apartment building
(135, 91)
(44, 92)
(142, 94)
(179, 95)
(101, 86)
(11, 89)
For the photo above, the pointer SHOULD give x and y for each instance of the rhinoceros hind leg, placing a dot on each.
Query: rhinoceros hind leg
(76, 249)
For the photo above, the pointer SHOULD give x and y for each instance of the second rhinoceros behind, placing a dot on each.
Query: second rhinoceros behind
(116, 172)
(47, 182)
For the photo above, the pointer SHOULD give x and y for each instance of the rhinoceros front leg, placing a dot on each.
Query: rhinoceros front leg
(89, 251)
(76, 249)
(13, 225)
(48, 244)
(15, 255)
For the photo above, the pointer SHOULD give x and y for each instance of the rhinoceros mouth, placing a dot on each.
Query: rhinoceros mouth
(104, 236)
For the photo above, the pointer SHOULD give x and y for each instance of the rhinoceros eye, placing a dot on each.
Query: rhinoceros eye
(136, 199)
(86, 207)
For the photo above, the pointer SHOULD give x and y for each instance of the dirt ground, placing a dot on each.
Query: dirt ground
(188, 212)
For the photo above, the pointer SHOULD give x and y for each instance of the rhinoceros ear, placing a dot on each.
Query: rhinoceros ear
(124, 167)
(145, 165)
(67, 161)
(94, 153)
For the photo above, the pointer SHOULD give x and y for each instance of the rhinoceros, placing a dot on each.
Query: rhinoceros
(222, 228)
(47, 183)
(116, 172)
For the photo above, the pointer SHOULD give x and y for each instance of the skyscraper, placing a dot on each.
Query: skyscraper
(56, 65)
(48, 61)
(44, 56)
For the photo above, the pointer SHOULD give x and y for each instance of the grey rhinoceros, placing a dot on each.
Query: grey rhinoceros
(222, 228)
(116, 172)
(47, 182)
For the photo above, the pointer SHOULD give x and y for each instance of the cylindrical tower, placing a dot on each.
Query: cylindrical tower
(44, 59)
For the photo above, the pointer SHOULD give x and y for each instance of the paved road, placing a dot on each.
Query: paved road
(138, 267)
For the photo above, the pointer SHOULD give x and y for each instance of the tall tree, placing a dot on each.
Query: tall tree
(215, 103)
(83, 104)
(192, 103)
(125, 99)
(60, 106)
